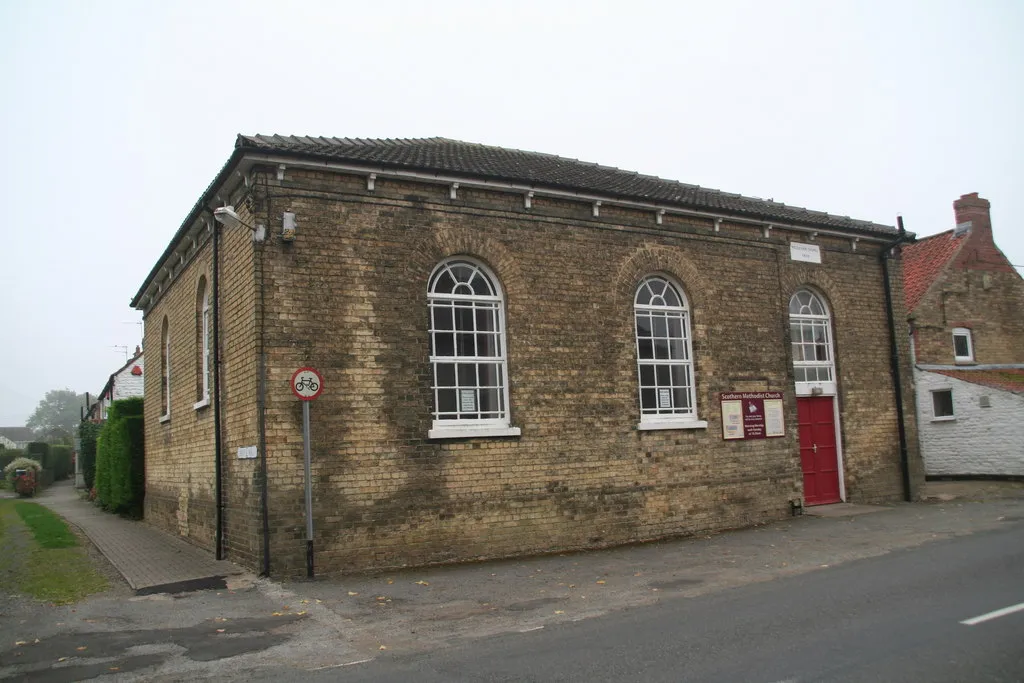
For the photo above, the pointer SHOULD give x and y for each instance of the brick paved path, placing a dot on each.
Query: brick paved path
(150, 560)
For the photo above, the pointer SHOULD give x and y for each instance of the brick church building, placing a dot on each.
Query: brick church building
(519, 353)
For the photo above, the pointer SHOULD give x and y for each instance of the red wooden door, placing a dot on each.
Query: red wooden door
(818, 455)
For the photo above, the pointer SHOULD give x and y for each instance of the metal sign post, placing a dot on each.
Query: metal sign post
(307, 384)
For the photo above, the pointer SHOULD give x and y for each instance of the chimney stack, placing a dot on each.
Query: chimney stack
(971, 208)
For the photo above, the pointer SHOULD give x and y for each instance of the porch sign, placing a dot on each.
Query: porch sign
(752, 415)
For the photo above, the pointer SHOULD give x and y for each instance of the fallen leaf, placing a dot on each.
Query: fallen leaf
(301, 613)
(82, 647)
(601, 582)
(62, 659)
(115, 668)
(286, 608)
(558, 611)
(390, 581)
(220, 630)
(383, 647)
(422, 583)
(21, 642)
(353, 593)
(35, 642)
(572, 585)
(319, 602)
(305, 602)
(276, 614)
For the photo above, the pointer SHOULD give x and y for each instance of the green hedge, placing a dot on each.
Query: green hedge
(88, 432)
(60, 462)
(40, 452)
(10, 455)
(120, 459)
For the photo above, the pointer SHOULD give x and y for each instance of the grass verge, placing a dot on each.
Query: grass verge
(49, 530)
(47, 567)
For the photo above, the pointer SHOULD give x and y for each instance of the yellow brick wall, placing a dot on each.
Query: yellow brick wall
(349, 297)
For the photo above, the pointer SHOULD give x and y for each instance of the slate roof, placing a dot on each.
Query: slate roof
(443, 155)
(924, 260)
(1011, 379)
(18, 433)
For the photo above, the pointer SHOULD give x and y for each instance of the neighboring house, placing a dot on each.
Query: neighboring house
(519, 352)
(966, 307)
(16, 437)
(125, 382)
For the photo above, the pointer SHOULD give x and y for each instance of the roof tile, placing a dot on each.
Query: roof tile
(536, 169)
(923, 261)
(1010, 379)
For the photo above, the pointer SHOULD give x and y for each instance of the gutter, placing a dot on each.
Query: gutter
(894, 360)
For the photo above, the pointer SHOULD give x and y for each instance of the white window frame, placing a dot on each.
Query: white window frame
(165, 369)
(815, 322)
(966, 334)
(204, 340)
(952, 405)
(460, 423)
(664, 413)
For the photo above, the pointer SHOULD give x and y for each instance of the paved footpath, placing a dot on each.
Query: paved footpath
(150, 560)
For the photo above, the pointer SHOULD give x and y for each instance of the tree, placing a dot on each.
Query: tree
(57, 415)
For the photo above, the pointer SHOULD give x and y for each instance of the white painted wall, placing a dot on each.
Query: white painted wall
(126, 384)
(978, 440)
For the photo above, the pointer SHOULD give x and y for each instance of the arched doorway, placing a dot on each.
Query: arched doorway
(810, 327)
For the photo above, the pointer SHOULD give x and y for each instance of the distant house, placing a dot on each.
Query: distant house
(125, 382)
(965, 302)
(16, 437)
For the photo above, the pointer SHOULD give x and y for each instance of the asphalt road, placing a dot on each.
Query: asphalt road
(891, 618)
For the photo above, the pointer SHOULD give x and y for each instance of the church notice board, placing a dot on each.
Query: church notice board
(752, 415)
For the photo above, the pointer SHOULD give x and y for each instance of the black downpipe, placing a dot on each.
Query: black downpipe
(894, 360)
(261, 407)
(218, 483)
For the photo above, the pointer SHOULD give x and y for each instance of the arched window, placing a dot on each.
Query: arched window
(810, 331)
(664, 355)
(203, 344)
(467, 351)
(165, 371)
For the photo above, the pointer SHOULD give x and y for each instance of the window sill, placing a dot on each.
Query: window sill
(201, 404)
(672, 424)
(469, 432)
(964, 361)
(947, 418)
(165, 418)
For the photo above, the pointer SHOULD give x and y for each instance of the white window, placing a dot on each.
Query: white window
(468, 352)
(942, 404)
(165, 371)
(203, 345)
(963, 348)
(810, 331)
(664, 356)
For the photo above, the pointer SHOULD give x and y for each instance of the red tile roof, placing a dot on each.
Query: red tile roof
(923, 261)
(1011, 379)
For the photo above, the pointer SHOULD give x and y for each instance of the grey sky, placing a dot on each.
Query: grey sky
(118, 114)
